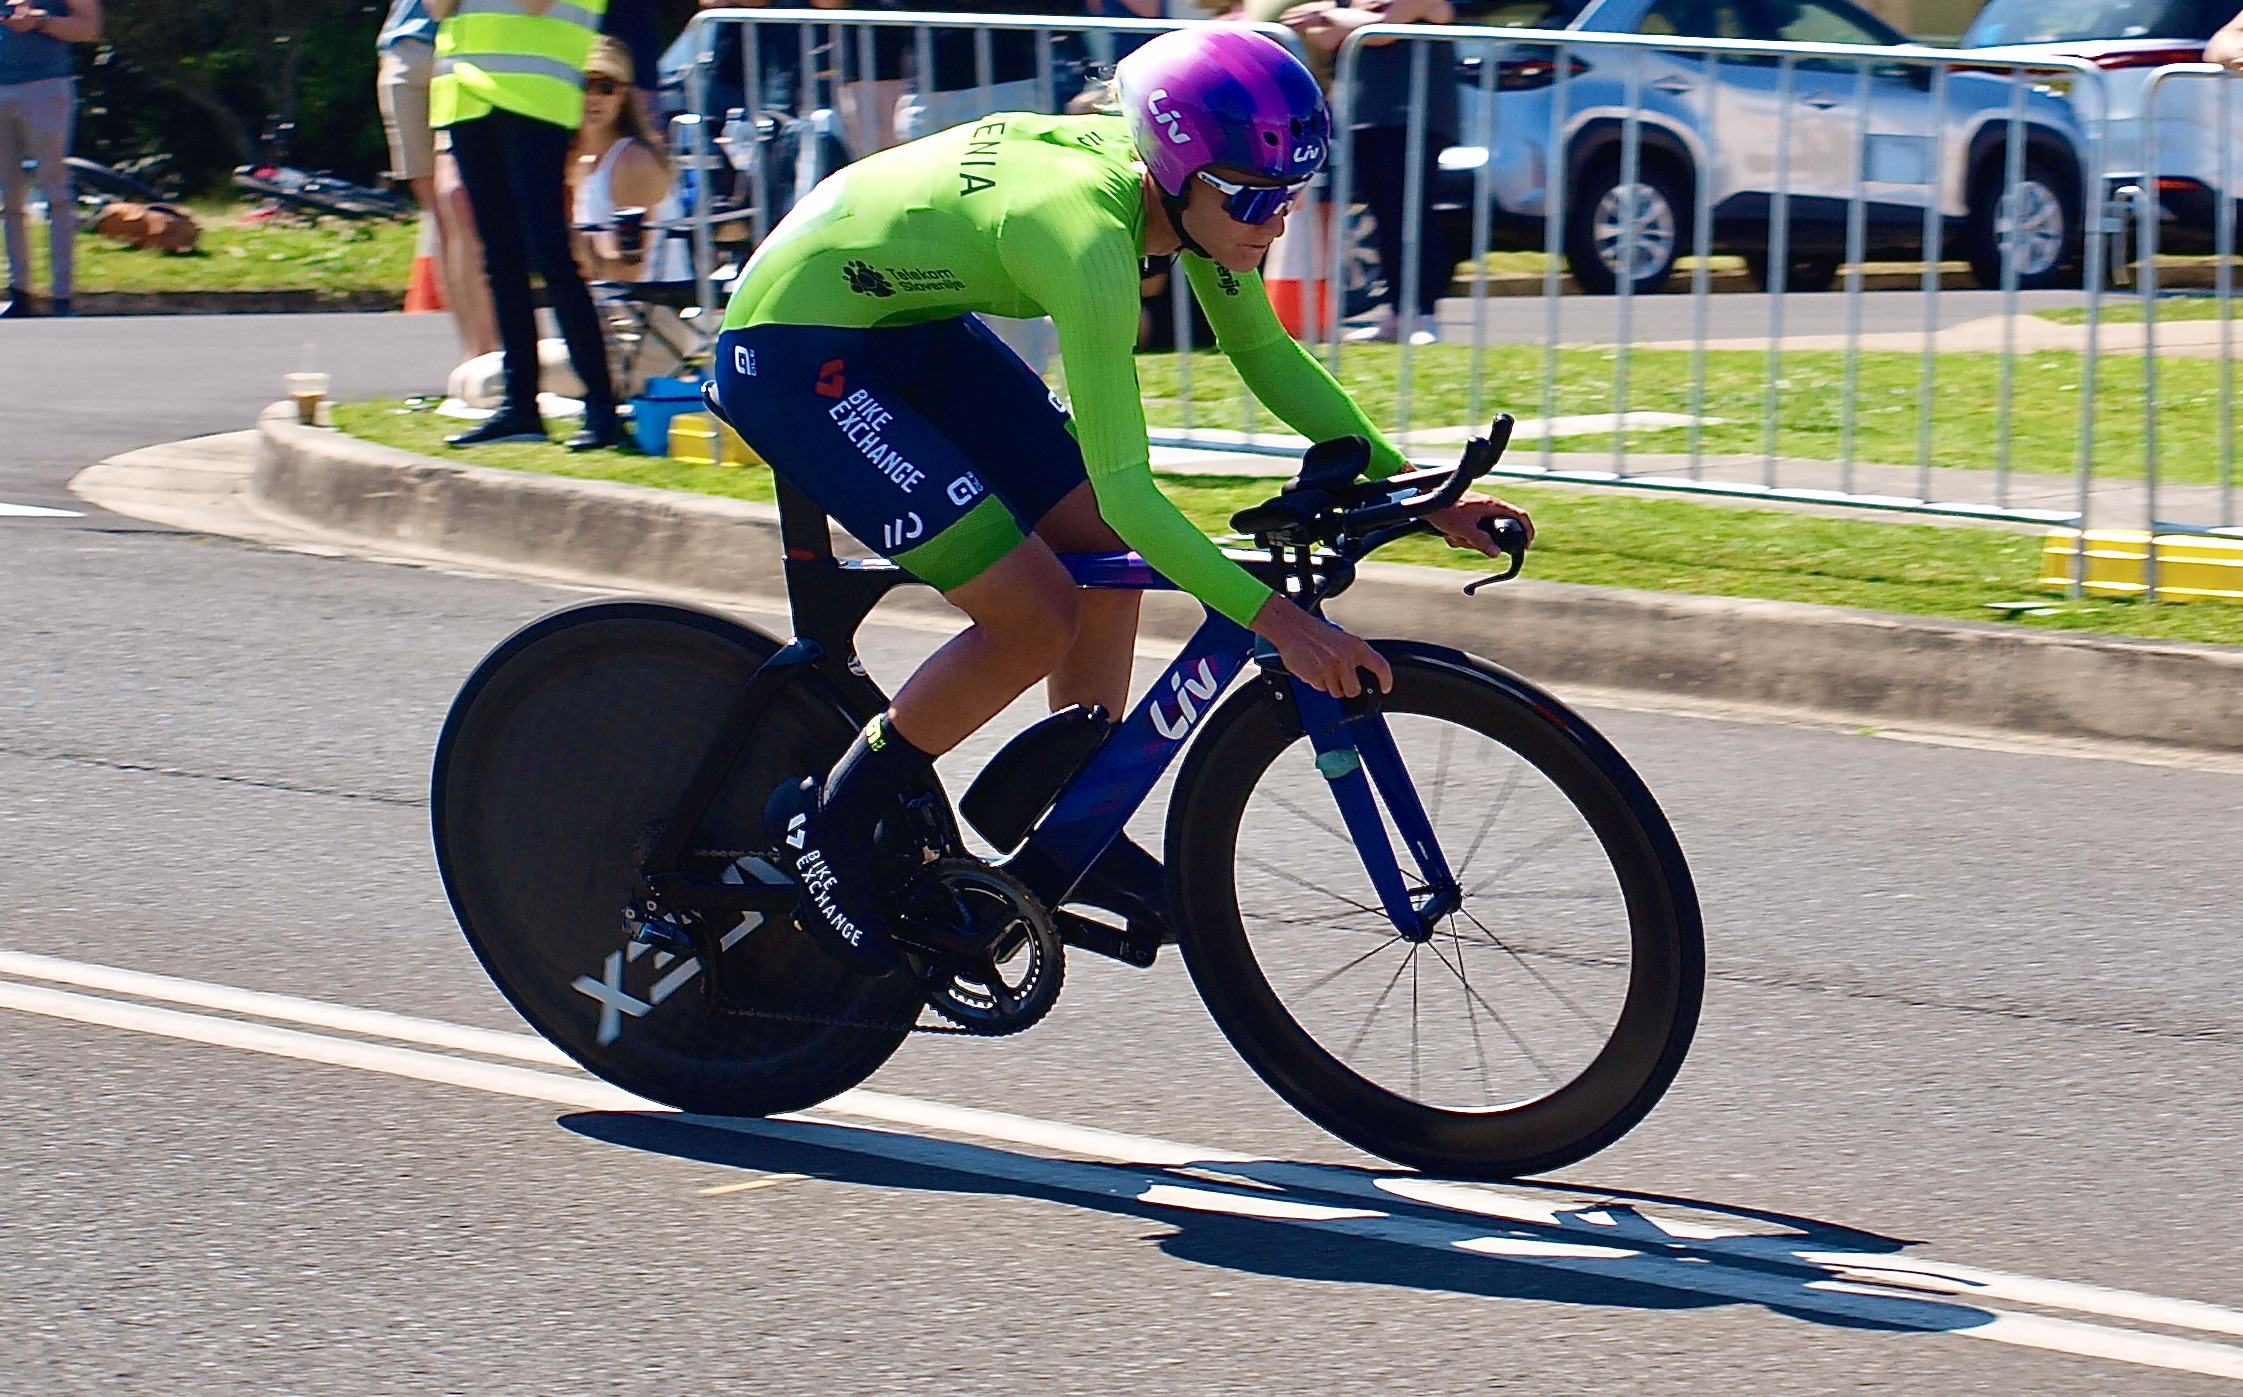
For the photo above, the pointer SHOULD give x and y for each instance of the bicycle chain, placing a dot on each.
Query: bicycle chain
(829, 1021)
(819, 1020)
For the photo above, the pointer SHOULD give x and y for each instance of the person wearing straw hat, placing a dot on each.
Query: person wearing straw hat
(509, 86)
(618, 164)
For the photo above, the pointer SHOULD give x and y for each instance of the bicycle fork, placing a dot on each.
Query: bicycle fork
(1355, 754)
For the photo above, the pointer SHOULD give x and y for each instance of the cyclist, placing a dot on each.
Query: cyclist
(851, 361)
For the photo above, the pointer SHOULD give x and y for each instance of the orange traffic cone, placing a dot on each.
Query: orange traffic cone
(1295, 273)
(423, 292)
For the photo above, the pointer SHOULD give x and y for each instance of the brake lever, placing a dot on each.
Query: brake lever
(1510, 538)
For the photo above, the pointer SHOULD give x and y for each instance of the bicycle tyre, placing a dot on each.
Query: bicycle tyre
(559, 761)
(112, 181)
(1554, 751)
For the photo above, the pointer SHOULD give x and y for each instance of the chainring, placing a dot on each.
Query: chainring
(994, 961)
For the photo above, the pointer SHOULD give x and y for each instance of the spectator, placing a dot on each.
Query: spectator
(952, 95)
(1103, 49)
(407, 46)
(509, 87)
(618, 164)
(1381, 135)
(38, 105)
(2226, 47)
(632, 24)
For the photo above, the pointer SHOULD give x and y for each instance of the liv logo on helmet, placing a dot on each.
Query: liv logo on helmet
(1171, 122)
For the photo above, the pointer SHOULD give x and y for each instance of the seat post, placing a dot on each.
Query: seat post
(804, 530)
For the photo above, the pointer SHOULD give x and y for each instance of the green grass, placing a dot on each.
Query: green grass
(413, 427)
(334, 255)
(1600, 539)
(2119, 308)
(2044, 415)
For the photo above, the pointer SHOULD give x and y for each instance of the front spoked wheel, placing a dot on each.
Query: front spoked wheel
(1542, 1010)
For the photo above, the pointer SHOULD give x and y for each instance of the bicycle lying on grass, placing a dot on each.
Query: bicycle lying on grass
(1510, 992)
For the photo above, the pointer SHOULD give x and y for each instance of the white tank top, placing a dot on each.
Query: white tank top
(668, 258)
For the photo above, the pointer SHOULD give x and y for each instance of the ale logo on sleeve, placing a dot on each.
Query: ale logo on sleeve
(831, 383)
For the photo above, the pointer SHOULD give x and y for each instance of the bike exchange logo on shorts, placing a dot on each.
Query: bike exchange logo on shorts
(862, 419)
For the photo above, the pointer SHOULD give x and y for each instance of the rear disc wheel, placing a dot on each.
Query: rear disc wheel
(561, 760)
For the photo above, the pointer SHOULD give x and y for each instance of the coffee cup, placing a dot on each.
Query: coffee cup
(307, 391)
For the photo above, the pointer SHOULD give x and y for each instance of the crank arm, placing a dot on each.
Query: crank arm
(1101, 940)
(685, 894)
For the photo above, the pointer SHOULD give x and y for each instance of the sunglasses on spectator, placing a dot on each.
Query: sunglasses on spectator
(603, 87)
(1254, 203)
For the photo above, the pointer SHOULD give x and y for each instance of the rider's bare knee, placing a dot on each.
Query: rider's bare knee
(1041, 629)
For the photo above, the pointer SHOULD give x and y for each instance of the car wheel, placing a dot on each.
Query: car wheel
(1616, 229)
(2037, 224)
(1801, 273)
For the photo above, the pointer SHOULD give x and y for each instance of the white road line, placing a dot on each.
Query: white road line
(286, 1008)
(1839, 1285)
(1885, 1269)
(1802, 1292)
(34, 511)
(584, 1092)
(1088, 1141)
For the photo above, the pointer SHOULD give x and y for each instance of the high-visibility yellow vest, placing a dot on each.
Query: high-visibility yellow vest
(493, 53)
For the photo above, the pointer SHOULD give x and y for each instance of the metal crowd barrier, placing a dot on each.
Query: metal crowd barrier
(1687, 132)
(1847, 175)
(2170, 173)
(838, 65)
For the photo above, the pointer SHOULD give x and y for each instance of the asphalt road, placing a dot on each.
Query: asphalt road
(1967, 1005)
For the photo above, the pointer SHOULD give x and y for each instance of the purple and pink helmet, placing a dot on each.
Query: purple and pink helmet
(1221, 94)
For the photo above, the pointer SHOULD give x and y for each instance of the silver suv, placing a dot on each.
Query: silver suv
(1913, 156)
(2129, 40)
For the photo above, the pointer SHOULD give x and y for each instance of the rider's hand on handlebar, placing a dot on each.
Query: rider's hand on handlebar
(1460, 522)
(1319, 653)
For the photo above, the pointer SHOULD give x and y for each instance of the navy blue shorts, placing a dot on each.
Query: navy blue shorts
(933, 444)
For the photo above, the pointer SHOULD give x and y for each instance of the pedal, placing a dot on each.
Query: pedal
(1100, 939)
(661, 932)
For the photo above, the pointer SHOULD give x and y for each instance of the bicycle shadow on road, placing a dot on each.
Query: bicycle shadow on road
(1332, 1223)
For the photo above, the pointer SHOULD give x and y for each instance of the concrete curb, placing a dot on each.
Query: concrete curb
(1863, 665)
(232, 302)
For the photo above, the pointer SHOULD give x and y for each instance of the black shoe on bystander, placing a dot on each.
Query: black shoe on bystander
(504, 427)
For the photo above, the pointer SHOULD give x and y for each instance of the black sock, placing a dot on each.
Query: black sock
(878, 767)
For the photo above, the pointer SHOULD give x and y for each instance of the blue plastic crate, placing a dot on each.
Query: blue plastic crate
(652, 411)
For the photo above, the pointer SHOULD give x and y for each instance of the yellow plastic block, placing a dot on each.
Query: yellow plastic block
(690, 437)
(2190, 567)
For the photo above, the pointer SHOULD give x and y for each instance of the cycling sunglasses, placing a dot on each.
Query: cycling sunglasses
(603, 87)
(1254, 203)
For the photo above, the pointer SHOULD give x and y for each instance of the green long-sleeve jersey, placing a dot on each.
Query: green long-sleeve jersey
(1027, 215)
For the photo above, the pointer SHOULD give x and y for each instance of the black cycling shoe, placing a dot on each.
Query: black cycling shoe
(503, 427)
(840, 877)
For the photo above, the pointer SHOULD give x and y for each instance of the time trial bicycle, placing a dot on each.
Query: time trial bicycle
(1447, 923)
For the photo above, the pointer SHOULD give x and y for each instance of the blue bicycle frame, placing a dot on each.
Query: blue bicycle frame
(1355, 752)
(831, 597)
